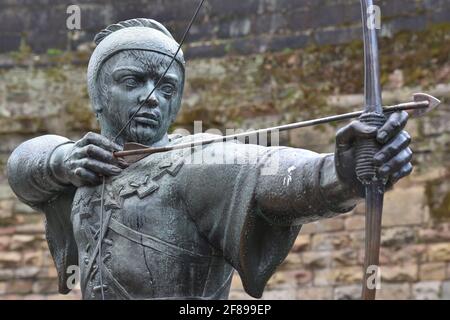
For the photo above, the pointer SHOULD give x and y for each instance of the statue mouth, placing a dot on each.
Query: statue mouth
(147, 118)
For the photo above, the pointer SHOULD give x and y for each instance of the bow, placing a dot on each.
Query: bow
(365, 149)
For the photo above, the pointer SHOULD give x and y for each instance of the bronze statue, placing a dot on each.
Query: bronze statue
(167, 226)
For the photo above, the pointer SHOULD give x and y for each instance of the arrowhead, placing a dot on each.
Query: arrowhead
(433, 103)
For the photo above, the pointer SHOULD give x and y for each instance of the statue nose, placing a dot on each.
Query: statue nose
(151, 101)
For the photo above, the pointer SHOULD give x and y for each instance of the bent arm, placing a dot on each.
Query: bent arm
(291, 186)
(34, 169)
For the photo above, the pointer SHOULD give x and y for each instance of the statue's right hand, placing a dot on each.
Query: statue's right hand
(90, 158)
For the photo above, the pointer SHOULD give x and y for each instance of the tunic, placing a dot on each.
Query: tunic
(176, 225)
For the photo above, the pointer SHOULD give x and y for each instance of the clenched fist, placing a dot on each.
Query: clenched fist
(393, 160)
(88, 159)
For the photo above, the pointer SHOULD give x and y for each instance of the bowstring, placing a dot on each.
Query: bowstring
(100, 260)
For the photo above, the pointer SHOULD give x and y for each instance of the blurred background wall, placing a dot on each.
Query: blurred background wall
(250, 64)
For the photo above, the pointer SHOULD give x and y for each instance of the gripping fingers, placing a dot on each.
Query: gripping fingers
(394, 124)
(99, 167)
(87, 176)
(92, 151)
(396, 163)
(393, 148)
(406, 170)
(98, 140)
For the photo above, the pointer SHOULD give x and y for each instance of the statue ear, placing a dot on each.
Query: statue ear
(97, 108)
(96, 102)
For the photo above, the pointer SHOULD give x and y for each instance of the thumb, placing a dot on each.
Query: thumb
(348, 134)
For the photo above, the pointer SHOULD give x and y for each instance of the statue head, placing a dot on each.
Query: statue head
(129, 59)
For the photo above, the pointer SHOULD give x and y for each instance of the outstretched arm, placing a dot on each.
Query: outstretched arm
(305, 188)
(309, 186)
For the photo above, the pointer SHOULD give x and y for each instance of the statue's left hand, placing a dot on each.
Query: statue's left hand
(394, 158)
(91, 157)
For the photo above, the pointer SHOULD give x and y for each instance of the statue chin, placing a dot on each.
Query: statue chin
(144, 134)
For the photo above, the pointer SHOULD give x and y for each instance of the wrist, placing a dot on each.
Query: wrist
(57, 165)
(341, 194)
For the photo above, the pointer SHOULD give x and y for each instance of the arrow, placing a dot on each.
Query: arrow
(423, 103)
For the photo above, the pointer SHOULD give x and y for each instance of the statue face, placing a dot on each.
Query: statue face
(130, 76)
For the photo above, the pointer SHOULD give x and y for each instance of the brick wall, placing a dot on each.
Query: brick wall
(288, 73)
(222, 27)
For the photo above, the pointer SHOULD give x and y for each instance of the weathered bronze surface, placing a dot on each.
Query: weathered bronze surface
(176, 225)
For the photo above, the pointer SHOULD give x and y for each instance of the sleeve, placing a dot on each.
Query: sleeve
(32, 180)
(29, 171)
(60, 235)
(304, 188)
(224, 188)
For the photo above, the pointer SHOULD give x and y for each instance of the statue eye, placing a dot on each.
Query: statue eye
(167, 89)
(130, 82)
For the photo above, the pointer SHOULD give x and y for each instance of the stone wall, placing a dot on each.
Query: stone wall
(43, 91)
(222, 27)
